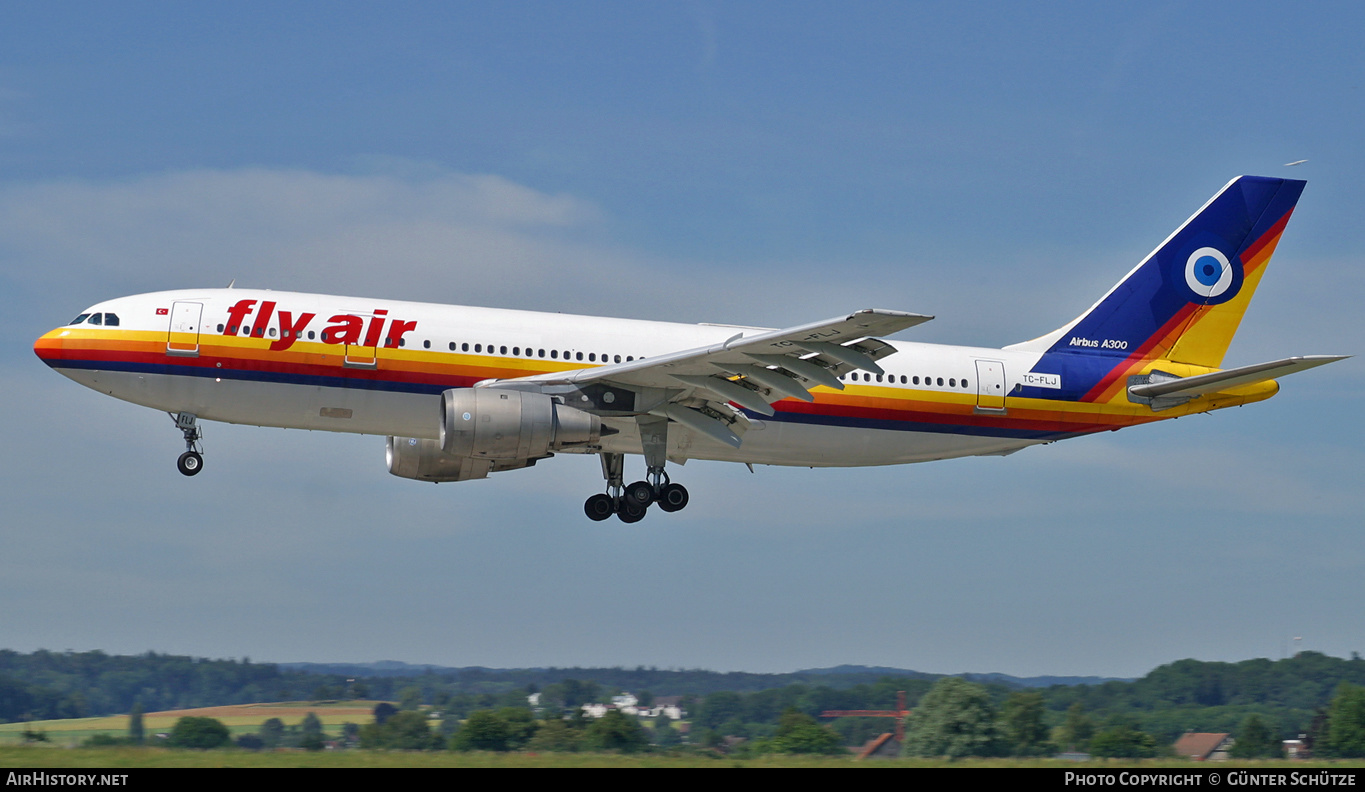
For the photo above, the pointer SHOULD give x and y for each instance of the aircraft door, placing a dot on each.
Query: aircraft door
(990, 386)
(359, 356)
(182, 338)
(363, 352)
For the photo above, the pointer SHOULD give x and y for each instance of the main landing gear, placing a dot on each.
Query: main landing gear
(192, 461)
(630, 503)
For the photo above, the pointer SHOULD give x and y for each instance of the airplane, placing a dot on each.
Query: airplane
(463, 392)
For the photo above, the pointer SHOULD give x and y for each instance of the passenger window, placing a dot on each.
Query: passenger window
(272, 332)
(554, 353)
(220, 328)
(310, 335)
(578, 356)
(879, 378)
(940, 382)
(478, 347)
(964, 383)
(464, 347)
(402, 342)
(952, 383)
(502, 350)
(426, 344)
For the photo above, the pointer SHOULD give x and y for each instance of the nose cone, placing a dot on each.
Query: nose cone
(50, 346)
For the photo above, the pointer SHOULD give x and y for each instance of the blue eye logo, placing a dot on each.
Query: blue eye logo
(1208, 273)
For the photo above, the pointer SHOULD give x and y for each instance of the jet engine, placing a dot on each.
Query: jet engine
(423, 460)
(498, 424)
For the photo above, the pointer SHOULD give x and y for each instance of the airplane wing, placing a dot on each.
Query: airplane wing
(694, 387)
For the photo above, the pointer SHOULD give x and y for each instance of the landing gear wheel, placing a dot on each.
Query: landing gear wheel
(673, 498)
(641, 493)
(631, 512)
(599, 507)
(190, 463)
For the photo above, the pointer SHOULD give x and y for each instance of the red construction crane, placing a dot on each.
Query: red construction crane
(899, 713)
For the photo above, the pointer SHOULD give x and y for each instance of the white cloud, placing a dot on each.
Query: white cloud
(412, 231)
(442, 235)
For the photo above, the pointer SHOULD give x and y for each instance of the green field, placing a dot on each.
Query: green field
(240, 719)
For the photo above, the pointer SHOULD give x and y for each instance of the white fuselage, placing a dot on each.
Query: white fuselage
(273, 368)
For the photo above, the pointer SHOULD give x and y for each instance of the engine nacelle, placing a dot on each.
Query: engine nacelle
(423, 460)
(492, 423)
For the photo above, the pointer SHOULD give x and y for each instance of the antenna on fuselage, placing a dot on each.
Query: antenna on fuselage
(234, 280)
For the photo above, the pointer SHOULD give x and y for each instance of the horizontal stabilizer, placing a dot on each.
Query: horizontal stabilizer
(1173, 387)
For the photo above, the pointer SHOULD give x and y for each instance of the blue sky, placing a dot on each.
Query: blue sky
(998, 166)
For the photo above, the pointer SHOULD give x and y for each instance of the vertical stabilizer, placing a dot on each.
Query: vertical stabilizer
(1186, 299)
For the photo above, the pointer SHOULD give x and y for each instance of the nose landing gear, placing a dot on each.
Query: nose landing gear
(192, 461)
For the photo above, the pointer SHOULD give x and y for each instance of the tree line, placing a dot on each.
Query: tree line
(954, 718)
(1288, 697)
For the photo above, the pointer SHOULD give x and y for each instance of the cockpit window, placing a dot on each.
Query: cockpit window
(111, 320)
(80, 319)
(96, 319)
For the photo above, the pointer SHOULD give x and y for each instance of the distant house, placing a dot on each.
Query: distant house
(668, 707)
(664, 706)
(1204, 746)
(1297, 749)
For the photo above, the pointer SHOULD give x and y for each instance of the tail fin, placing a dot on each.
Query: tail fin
(1186, 299)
